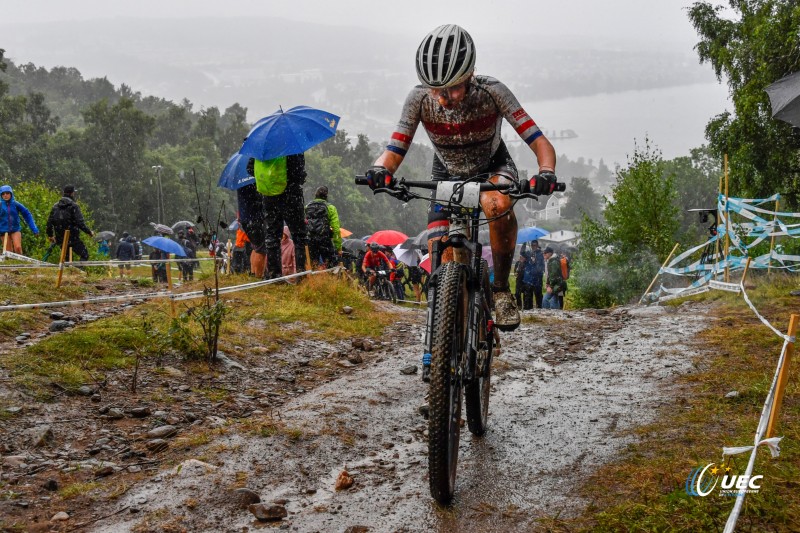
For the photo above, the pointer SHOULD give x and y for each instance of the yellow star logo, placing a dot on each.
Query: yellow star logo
(714, 471)
(728, 470)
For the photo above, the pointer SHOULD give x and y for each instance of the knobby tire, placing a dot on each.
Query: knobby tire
(448, 348)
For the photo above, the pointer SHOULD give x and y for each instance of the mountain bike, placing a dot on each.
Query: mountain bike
(459, 328)
(383, 289)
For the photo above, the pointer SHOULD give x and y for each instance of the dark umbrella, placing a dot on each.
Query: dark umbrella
(165, 245)
(290, 132)
(234, 175)
(182, 224)
(104, 236)
(784, 95)
(417, 242)
(161, 228)
(354, 245)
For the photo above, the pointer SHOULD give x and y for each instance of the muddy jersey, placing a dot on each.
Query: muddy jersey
(464, 138)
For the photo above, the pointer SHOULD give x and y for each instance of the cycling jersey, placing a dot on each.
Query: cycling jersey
(373, 259)
(466, 137)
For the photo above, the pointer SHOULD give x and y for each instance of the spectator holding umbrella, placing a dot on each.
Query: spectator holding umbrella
(10, 228)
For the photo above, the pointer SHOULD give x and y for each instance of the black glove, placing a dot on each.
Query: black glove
(379, 177)
(543, 183)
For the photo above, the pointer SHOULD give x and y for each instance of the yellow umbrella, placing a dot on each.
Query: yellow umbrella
(345, 233)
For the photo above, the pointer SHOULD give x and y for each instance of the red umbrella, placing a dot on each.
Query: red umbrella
(425, 264)
(388, 237)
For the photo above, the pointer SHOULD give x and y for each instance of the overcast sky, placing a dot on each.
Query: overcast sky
(657, 22)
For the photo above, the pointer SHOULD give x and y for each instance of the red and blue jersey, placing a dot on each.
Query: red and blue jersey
(467, 136)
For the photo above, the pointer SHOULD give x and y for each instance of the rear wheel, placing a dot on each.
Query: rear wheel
(447, 356)
(476, 392)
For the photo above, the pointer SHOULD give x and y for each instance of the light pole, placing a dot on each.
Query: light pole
(159, 194)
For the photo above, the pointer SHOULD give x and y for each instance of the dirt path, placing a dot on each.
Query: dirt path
(566, 388)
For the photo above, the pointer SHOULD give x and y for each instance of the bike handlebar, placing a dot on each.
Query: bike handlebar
(485, 187)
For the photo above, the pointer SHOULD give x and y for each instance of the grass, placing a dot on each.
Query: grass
(74, 490)
(644, 490)
(84, 354)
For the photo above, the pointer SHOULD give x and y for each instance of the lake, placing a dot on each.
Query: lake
(673, 118)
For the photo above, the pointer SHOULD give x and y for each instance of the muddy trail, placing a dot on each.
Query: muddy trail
(567, 388)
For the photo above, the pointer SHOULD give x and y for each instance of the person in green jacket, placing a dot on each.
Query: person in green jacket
(556, 285)
(324, 235)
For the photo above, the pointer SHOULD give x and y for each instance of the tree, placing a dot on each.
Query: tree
(696, 182)
(114, 147)
(642, 213)
(751, 50)
(582, 200)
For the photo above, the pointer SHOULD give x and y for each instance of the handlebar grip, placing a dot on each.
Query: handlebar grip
(361, 180)
(560, 187)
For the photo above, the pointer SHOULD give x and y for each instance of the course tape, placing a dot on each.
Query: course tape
(761, 430)
(162, 294)
(76, 264)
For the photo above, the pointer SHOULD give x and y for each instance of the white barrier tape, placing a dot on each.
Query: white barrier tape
(722, 286)
(99, 299)
(688, 292)
(76, 264)
(786, 338)
(236, 288)
(18, 257)
(760, 431)
(163, 294)
(772, 443)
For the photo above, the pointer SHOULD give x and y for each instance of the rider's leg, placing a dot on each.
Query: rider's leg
(498, 208)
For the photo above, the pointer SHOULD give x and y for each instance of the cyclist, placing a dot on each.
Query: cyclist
(372, 262)
(462, 114)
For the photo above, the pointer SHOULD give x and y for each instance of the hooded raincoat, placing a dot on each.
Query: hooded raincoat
(10, 211)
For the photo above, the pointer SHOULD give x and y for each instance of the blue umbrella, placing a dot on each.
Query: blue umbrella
(530, 234)
(289, 132)
(234, 175)
(165, 245)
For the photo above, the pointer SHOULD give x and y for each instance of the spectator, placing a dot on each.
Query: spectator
(241, 261)
(125, 252)
(525, 283)
(324, 230)
(66, 215)
(252, 219)
(280, 181)
(555, 281)
(186, 268)
(538, 272)
(519, 271)
(9, 220)
(288, 265)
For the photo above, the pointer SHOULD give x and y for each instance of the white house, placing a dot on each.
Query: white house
(563, 237)
(551, 210)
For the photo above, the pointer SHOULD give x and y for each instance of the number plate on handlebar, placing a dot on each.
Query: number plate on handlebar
(453, 195)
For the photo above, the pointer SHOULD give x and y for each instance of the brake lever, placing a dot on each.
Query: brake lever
(523, 195)
(401, 194)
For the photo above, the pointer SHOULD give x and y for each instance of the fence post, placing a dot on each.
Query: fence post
(727, 226)
(169, 286)
(772, 240)
(5, 243)
(659, 272)
(783, 376)
(63, 256)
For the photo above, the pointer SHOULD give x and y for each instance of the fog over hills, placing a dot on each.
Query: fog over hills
(361, 74)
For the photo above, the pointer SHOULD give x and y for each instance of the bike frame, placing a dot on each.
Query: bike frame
(462, 236)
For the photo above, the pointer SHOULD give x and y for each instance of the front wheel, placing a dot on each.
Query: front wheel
(448, 351)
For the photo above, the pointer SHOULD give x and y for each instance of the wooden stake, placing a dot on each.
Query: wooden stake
(61, 260)
(659, 272)
(717, 247)
(772, 239)
(308, 259)
(727, 226)
(783, 376)
(746, 268)
(5, 242)
(169, 286)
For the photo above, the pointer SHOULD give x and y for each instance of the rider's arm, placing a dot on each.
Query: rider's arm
(403, 133)
(364, 263)
(545, 154)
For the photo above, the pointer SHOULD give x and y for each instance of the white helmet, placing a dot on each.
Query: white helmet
(446, 57)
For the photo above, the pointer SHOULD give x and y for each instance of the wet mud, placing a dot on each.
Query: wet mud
(567, 389)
